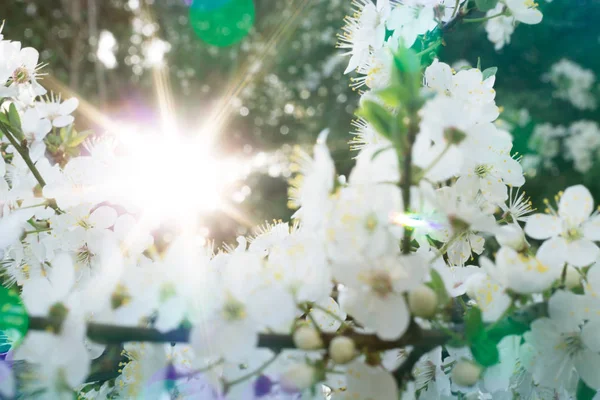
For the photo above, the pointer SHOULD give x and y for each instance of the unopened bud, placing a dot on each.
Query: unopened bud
(466, 373)
(423, 301)
(572, 278)
(512, 236)
(342, 349)
(297, 378)
(307, 338)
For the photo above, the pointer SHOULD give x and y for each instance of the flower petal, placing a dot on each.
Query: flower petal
(588, 366)
(591, 228)
(575, 205)
(590, 336)
(582, 252)
(543, 226)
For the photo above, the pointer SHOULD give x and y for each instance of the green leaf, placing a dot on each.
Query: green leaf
(437, 284)
(489, 72)
(473, 323)
(485, 351)
(486, 5)
(13, 116)
(392, 95)
(407, 61)
(14, 321)
(380, 118)
(584, 392)
(506, 327)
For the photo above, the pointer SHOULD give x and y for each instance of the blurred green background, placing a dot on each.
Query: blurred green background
(283, 83)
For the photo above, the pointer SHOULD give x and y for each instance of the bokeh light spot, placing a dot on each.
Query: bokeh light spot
(223, 26)
(208, 5)
(14, 321)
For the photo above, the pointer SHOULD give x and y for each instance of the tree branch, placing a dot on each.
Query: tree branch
(113, 334)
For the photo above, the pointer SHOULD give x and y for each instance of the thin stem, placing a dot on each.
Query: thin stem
(413, 129)
(45, 203)
(456, 7)
(483, 19)
(326, 311)
(202, 370)
(431, 47)
(37, 231)
(447, 330)
(445, 247)
(229, 385)
(24, 153)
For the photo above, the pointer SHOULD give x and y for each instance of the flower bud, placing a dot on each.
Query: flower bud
(422, 301)
(572, 278)
(297, 378)
(307, 338)
(342, 349)
(512, 236)
(466, 373)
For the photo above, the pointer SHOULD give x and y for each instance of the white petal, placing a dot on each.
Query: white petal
(590, 334)
(103, 217)
(591, 228)
(489, 295)
(565, 310)
(493, 189)
(439, 76)
(29, 57)
(63, 120)
(575, 205)
(78, 365)
(587, 364)
(459, 251)
(543, 226)
(553, 251)
(582, 252)
(68, 106)
(366, 382)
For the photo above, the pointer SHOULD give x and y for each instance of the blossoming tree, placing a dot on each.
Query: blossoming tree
(423, 274)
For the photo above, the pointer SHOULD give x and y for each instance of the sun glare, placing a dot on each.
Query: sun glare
(172, 177)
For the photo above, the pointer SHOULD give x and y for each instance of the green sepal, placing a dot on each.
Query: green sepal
(489, 72)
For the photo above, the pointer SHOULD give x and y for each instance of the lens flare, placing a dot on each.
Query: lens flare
(413, 221)
(172, 177)
(225, 25)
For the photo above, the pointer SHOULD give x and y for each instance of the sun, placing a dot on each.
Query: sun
(171, 177)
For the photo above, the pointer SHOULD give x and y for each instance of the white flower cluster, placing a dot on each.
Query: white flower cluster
(579, 143)
(583, 144)
(573, 84)
(505, 16)
(367, 37)
(545, 141)
(370, 263)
